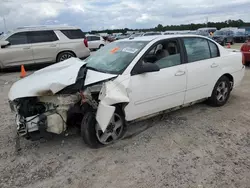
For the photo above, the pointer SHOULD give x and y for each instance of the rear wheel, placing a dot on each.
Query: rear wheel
(92, 134)
(64, 55)
(221, 92)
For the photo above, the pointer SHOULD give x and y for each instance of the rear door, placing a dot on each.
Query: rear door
(202, 67)
(18, 52)
(44, 45)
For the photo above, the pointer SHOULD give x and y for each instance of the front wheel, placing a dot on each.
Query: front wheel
(92, 134)
(221, 92)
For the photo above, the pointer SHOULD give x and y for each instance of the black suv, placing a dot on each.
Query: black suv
(240, 36)
(224, 37)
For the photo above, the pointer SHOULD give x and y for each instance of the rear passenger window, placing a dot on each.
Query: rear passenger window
(41, 36)
(214, 49)
(94, 38)
(89, 38)
(73, 33)
(197, 49)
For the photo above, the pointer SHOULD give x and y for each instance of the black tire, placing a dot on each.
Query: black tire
(89, 131)
(101, 46)
(216, 99)
(64, 55)
(232, 43)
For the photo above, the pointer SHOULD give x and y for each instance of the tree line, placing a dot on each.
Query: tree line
(192, 26)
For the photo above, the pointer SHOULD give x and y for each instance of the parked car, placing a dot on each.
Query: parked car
(240, 37)
(206, 31)
(136, 35)
(245, 49)
(151, 33)
(109, 38)
(95, 42)
(123, 82)
(223, 37)
(121, 36)
(42, 44)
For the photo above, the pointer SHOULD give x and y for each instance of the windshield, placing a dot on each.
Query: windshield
(115, 57)
(218, 33)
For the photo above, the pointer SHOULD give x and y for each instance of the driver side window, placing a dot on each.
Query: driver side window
(165, 54)
(18, 38)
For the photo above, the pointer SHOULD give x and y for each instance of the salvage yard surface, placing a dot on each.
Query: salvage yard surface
(198, 146)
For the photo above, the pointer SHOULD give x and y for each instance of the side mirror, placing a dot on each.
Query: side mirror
(146, 67)
(3, 44)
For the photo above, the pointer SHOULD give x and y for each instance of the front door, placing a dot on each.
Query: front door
(153, 92)
(18, 52)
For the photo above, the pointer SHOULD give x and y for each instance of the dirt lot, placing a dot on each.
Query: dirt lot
(198, 146)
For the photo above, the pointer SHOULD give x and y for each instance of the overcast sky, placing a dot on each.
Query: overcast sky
(110, 14)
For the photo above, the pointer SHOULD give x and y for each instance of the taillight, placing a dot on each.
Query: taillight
(86, 43)
(243, 59)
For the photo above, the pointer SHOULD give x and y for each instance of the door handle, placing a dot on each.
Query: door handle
(214, 65)
(26, 48)
(180, 73)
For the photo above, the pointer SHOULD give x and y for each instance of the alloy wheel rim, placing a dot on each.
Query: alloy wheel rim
(113, 131)
(222, 92)
(65, 56)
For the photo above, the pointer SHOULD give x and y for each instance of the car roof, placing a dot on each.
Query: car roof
(159, 37)
(44, 28)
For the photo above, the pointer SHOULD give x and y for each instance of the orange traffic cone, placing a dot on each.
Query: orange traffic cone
(228, 45)
(23, 72)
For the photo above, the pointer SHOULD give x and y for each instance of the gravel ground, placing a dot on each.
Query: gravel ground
(198, 146)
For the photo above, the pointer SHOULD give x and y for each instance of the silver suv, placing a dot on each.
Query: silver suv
(42, 44)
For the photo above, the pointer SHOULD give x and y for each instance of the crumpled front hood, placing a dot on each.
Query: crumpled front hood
(53, 79)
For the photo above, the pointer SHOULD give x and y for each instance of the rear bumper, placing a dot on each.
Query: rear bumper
(83, 54)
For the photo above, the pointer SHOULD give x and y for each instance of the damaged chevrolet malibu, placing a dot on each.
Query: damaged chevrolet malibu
(125, 81)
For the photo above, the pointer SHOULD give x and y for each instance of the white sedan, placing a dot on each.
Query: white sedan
(123, 82)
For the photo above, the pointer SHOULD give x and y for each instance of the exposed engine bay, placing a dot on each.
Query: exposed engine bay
(69, 94)
(38, 117)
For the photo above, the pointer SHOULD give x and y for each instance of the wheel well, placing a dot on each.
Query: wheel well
(231, 79)
(121, 106)
(63, 52)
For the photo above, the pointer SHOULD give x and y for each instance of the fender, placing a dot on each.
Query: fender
(112, 92)
(225, 70)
